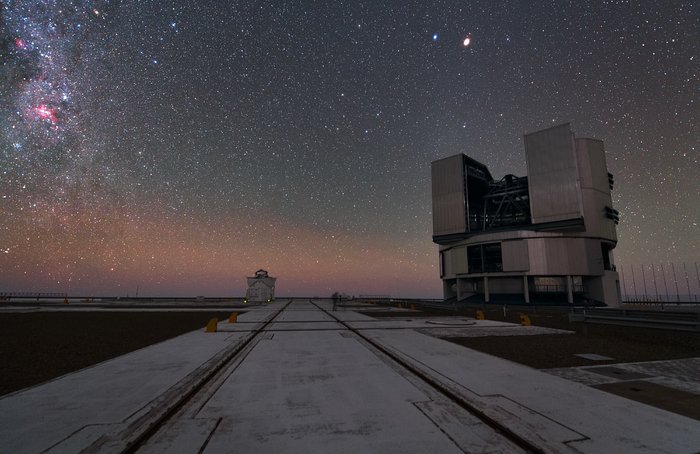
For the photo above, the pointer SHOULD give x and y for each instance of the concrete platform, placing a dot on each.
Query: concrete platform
(308, 383)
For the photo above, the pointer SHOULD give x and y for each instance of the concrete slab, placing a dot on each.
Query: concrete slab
(681, 402)
(594, 357)
(304, 316)
(348, 316)
(616, 372)
(307, 390)
(311, 390)
(484, 331)
(239, 326)
(85, 403)
(325, 391)
(670, 384)
(554, 406)
(304, 326)
(454, 327)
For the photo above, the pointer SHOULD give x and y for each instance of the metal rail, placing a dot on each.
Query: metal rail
(493, 423)
(679, 321)
(138, 432)
(167, 407)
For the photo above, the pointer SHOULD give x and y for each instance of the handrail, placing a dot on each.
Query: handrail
(681, 321)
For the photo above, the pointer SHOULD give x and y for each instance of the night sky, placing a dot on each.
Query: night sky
(178, 146)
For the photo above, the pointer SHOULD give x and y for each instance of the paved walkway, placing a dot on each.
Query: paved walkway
(307, 383)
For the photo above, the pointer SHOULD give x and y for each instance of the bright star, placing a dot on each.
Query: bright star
(435, 37)
(467, 40)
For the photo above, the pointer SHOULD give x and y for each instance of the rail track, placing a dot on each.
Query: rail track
(497, 426)
(138, 432)
(188, 398)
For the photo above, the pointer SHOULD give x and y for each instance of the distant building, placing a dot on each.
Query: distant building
(261, 287)
(545, 237)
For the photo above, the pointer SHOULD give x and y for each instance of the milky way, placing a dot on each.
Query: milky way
(179, 146)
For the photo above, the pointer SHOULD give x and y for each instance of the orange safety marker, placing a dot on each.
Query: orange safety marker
(233, 318)
(480, 315)
(525, 320)
(212, 325)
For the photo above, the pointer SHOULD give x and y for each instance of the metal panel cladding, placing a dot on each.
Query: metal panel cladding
(553, 175)
(449, 196)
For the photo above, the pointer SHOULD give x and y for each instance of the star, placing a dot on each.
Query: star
(182, 143)
(467, 40)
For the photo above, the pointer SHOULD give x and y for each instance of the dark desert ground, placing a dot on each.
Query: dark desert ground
(39, 346)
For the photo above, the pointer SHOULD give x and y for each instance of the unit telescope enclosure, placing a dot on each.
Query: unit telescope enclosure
(515, 238)
(472, 201)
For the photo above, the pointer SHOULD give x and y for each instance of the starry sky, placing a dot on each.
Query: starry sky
(176, 147)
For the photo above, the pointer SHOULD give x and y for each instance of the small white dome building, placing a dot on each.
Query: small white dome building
(261, 287)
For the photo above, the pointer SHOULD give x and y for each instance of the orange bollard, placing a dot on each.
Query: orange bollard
(233, 318)
(212, 325)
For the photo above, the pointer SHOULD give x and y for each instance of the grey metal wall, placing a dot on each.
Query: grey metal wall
(459, 260)
(553, 175)
(449, 205)
(595, 188)
(516, 256)
(565, 256)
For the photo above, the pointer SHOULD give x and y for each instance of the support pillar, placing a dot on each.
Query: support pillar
(487, 297)
(459, 291)
(526, 290)
(569, 290)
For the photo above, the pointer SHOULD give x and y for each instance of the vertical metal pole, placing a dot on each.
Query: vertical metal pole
(644, 282)
(526, 290)
(675, 281)
(624, 288)
(634, 283)
(487, 295)
(687, 281)
(656, 289)
(663, 272)
(697, 274)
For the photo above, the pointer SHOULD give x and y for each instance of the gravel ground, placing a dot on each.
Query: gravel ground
(38, 346)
